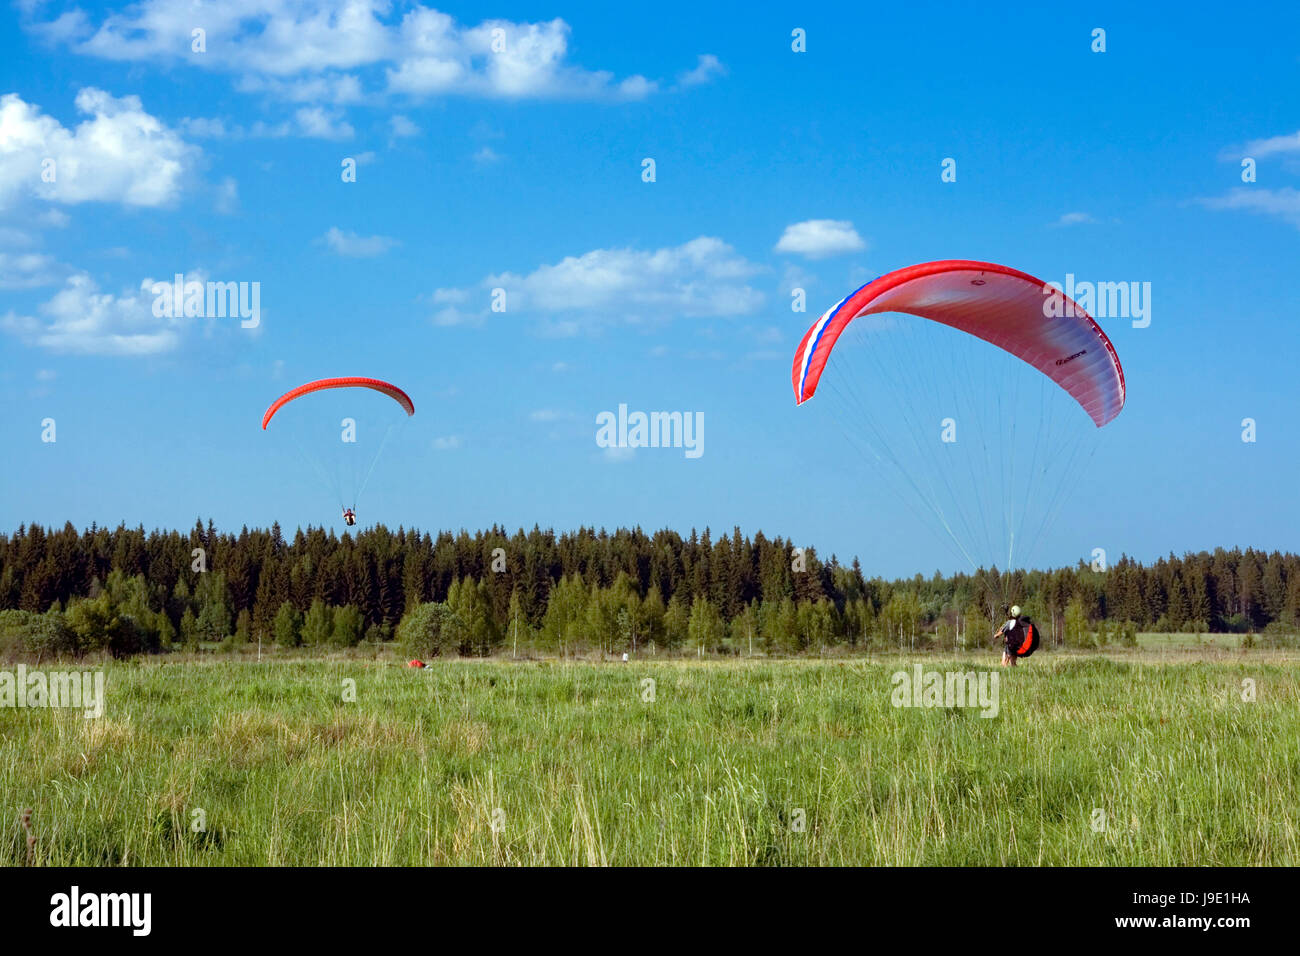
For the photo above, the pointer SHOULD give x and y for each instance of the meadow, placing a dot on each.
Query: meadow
(1133, 758)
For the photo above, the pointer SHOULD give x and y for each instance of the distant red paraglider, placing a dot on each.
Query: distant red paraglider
(385, 388)
(347, 475)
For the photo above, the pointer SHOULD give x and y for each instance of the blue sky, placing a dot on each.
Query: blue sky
(522, 169)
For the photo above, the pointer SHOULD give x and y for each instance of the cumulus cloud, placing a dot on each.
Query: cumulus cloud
(81, 320)
(701, 278)
(352, 246)
(120, 154)
(227, 196)
(1075, 219)
(9, 236)
(316, 52)
(260, 37)
(335, 89)
(1265, 147)
(202, 127)
(559, 328)
(497, 58)
(402, 127)
(317, 123)
(708, 67)
(1280, 203)
(312, 122)
(617, 454)
(27, 270)
(820, 238)
(486, 156)
(451, 312)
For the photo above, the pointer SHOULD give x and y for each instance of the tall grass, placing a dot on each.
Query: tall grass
(780, 762)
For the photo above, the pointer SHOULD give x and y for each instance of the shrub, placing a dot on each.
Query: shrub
(287, 626)
(430, 630)
(24, 633)
(347, 626)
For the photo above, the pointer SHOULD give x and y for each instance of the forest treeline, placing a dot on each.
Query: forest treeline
(125, 591)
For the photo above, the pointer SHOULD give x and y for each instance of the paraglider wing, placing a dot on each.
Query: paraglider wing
(1005, 307)
(392, 391)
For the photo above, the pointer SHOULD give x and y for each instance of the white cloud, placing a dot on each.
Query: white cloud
(81, 320)
(27, 270)
(820, 238)
(267, 37)
(1075, 219)
(702, 277)
(336, 90)
(227, 196)
(202, 127)
(1281, 203)
(1263, 148)
(617, 454)
(451, 315)
(795, 276)
(448, 443)
(559, 328)
(454, 296)
(15, 238)
(637, 88)
(487, 156)
(705, 70)
(121, 154)
(315, 122)
(452, 312)
(547, 415)
(497, 58)
(264, 130)
(309, 51)
(310, 122)
(352, 246)
(402, 127)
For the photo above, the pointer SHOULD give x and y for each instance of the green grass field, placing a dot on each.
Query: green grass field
(502, 763)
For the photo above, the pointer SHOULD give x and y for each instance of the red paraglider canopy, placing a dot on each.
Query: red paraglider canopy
(1003, 306)
(392, 391)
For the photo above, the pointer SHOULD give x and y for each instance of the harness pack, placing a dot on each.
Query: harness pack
(1029, 637)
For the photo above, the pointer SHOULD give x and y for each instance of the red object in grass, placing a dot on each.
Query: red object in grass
(415, 663)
